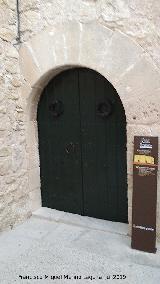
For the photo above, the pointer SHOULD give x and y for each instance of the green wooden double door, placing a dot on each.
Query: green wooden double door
(82, 145)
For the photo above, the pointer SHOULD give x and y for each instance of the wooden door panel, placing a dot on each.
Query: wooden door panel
(82, 150)
(94, 176)
(61, 178)
(103, 149)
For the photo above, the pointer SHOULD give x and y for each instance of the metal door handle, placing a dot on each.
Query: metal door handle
(69, 147)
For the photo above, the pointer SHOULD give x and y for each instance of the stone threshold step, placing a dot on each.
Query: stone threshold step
(82, 221)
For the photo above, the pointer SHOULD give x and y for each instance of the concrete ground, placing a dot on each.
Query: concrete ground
(55, 244)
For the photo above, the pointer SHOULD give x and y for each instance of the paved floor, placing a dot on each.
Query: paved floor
(55, 244)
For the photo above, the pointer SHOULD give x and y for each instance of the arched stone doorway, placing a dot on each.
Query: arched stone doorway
(111, 53)
(82, 144)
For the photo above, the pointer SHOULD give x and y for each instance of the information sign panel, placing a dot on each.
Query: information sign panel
(145, 166)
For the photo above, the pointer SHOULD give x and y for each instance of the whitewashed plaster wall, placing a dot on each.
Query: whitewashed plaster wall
(118, 38)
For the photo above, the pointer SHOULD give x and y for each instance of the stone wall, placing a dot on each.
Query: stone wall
(14, 202)
(139, 19)
(138, 79)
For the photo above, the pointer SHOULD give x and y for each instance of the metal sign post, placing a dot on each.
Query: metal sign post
(145, 166)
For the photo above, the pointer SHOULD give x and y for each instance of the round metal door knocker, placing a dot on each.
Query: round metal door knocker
(57, 108)
(104, 109)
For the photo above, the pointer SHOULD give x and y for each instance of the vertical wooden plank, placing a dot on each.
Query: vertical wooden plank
(60, 153)
(88, 138)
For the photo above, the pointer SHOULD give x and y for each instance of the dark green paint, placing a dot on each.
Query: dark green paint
(83, 154)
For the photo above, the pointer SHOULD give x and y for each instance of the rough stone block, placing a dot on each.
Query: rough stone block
(43, 44)
(5, 166)
(143, 109)
(93, 45)
(33, 157)
(140, 81)
(31, 134)
(121, 54)
(28, 65)
(34, 179)
(5, 151)
(35, 199)
(7, 34)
